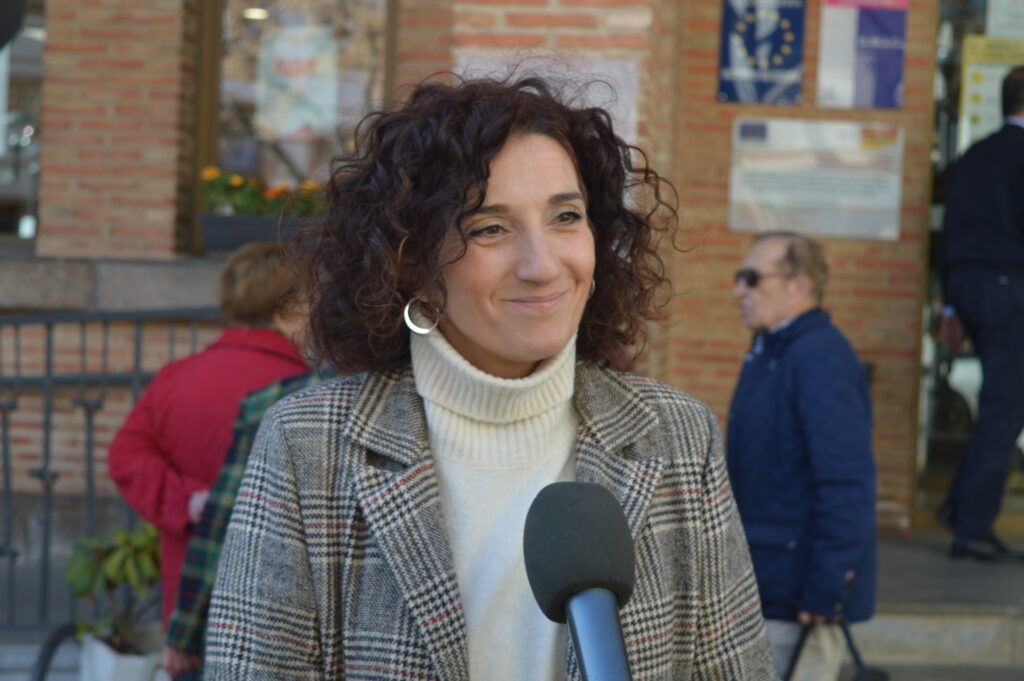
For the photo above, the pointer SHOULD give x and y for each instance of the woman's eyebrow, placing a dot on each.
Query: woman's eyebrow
(493, 208)
(567, 196)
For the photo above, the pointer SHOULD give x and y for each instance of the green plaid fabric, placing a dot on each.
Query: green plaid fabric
(187, 626)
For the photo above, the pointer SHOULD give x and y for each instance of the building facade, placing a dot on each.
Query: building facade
(133, 107)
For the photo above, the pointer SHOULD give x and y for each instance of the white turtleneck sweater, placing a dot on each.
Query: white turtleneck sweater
(496, 443)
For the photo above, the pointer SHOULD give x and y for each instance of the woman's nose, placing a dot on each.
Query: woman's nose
(537, 258)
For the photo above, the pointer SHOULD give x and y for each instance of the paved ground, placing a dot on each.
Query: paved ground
(917, 571)
(915, 673)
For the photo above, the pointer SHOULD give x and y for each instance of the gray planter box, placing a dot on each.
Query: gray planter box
(224, 233)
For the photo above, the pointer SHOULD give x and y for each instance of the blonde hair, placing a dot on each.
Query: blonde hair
(256, 283)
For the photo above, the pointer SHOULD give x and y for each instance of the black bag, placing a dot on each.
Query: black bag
(864, 673)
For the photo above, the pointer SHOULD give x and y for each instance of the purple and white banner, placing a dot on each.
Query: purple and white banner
(862, 46)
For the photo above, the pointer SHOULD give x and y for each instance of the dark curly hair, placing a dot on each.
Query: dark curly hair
(418, 170)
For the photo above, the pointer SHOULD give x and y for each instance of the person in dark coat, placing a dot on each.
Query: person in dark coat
(799, 456)
(983, 286)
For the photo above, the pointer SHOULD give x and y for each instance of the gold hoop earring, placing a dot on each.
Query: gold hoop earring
(593, 287)
(415, 328)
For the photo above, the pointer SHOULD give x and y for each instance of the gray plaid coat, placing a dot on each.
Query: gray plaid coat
(336, 563)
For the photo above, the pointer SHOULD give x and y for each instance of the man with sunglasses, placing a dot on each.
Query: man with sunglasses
(799, 455)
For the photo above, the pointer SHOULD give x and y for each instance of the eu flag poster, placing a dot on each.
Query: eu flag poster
(762, 51)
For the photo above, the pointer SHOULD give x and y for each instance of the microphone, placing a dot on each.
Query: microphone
(580, 564)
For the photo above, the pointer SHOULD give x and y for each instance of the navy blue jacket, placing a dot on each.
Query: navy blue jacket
(799, 454)
(984, 220)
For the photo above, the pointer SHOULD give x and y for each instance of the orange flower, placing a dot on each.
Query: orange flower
(275, 191)
(209, 173)
(236, 180)
(310, 186)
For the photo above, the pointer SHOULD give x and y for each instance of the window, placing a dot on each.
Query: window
(296, 76)
(21, 76)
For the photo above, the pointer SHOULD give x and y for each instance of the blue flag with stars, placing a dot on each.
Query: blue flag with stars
(762, 51)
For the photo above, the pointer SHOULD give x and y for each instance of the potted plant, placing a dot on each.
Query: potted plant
(119, 573)
(238, 210)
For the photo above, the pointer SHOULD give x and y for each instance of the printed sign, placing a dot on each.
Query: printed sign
(5, 53)
(296, 91)
(612, 84)
(834, 178)
(761, 54)
(1005, 19)
(986, 61)
(862, 46)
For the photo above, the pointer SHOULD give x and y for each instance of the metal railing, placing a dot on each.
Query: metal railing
(45, 374)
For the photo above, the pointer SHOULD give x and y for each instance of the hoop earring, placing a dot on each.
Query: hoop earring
(421, 330)
(593, 287)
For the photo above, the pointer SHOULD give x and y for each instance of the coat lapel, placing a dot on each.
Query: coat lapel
(399, 496)
(613, 416)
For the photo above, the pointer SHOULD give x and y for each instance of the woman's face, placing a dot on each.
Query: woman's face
(517, 295)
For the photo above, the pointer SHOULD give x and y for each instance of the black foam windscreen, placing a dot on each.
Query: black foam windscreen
(12, 14)
(576, 538)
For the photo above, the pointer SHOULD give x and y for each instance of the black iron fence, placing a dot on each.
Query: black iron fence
(66, 379)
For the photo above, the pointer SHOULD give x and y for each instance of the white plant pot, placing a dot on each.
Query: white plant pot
(99, 662)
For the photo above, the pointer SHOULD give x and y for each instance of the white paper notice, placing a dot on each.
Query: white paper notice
(1005, 19)
(612, 84)
(4, 71)
(296, 92)
(832, 178)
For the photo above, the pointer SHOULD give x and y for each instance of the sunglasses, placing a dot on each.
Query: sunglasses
(751, 278)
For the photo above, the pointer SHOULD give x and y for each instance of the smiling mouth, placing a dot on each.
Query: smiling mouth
(539, 302)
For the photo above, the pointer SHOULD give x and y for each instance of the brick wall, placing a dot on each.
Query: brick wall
(876, 287)
(423, 40)
(117, 123)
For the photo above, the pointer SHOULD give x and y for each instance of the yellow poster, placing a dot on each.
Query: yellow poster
(985, 62)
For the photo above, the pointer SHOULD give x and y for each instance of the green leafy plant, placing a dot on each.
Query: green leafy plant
(119, 571)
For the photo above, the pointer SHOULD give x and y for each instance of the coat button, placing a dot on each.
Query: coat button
(791, 544)
(1003, 279)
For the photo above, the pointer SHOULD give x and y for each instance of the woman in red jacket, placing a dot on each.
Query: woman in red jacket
(170, 449)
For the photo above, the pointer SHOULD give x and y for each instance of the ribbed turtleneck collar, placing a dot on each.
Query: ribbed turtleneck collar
(446, 378)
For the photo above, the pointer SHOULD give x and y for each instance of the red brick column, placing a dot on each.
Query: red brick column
(117, 126)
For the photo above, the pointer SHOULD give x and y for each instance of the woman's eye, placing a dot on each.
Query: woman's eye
(486, 230)
(568, 217)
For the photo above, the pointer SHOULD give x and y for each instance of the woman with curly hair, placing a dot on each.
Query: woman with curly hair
(487, 254)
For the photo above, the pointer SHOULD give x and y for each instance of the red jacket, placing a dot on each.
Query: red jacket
(174, 440)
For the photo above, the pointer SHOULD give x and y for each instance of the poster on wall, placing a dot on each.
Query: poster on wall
(1005, 19)
(612, 84)
(761, 54)
(986, 61)
(5, 53)
(830, 178)
(297, 83)
(862, 47)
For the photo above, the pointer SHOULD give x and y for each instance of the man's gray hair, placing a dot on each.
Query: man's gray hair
(803, 255)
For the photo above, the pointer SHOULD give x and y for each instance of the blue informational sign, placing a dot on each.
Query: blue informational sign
(861, 54)
(761, 54)
(880, 51)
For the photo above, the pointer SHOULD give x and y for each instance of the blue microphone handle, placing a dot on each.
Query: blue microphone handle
(593, 617)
